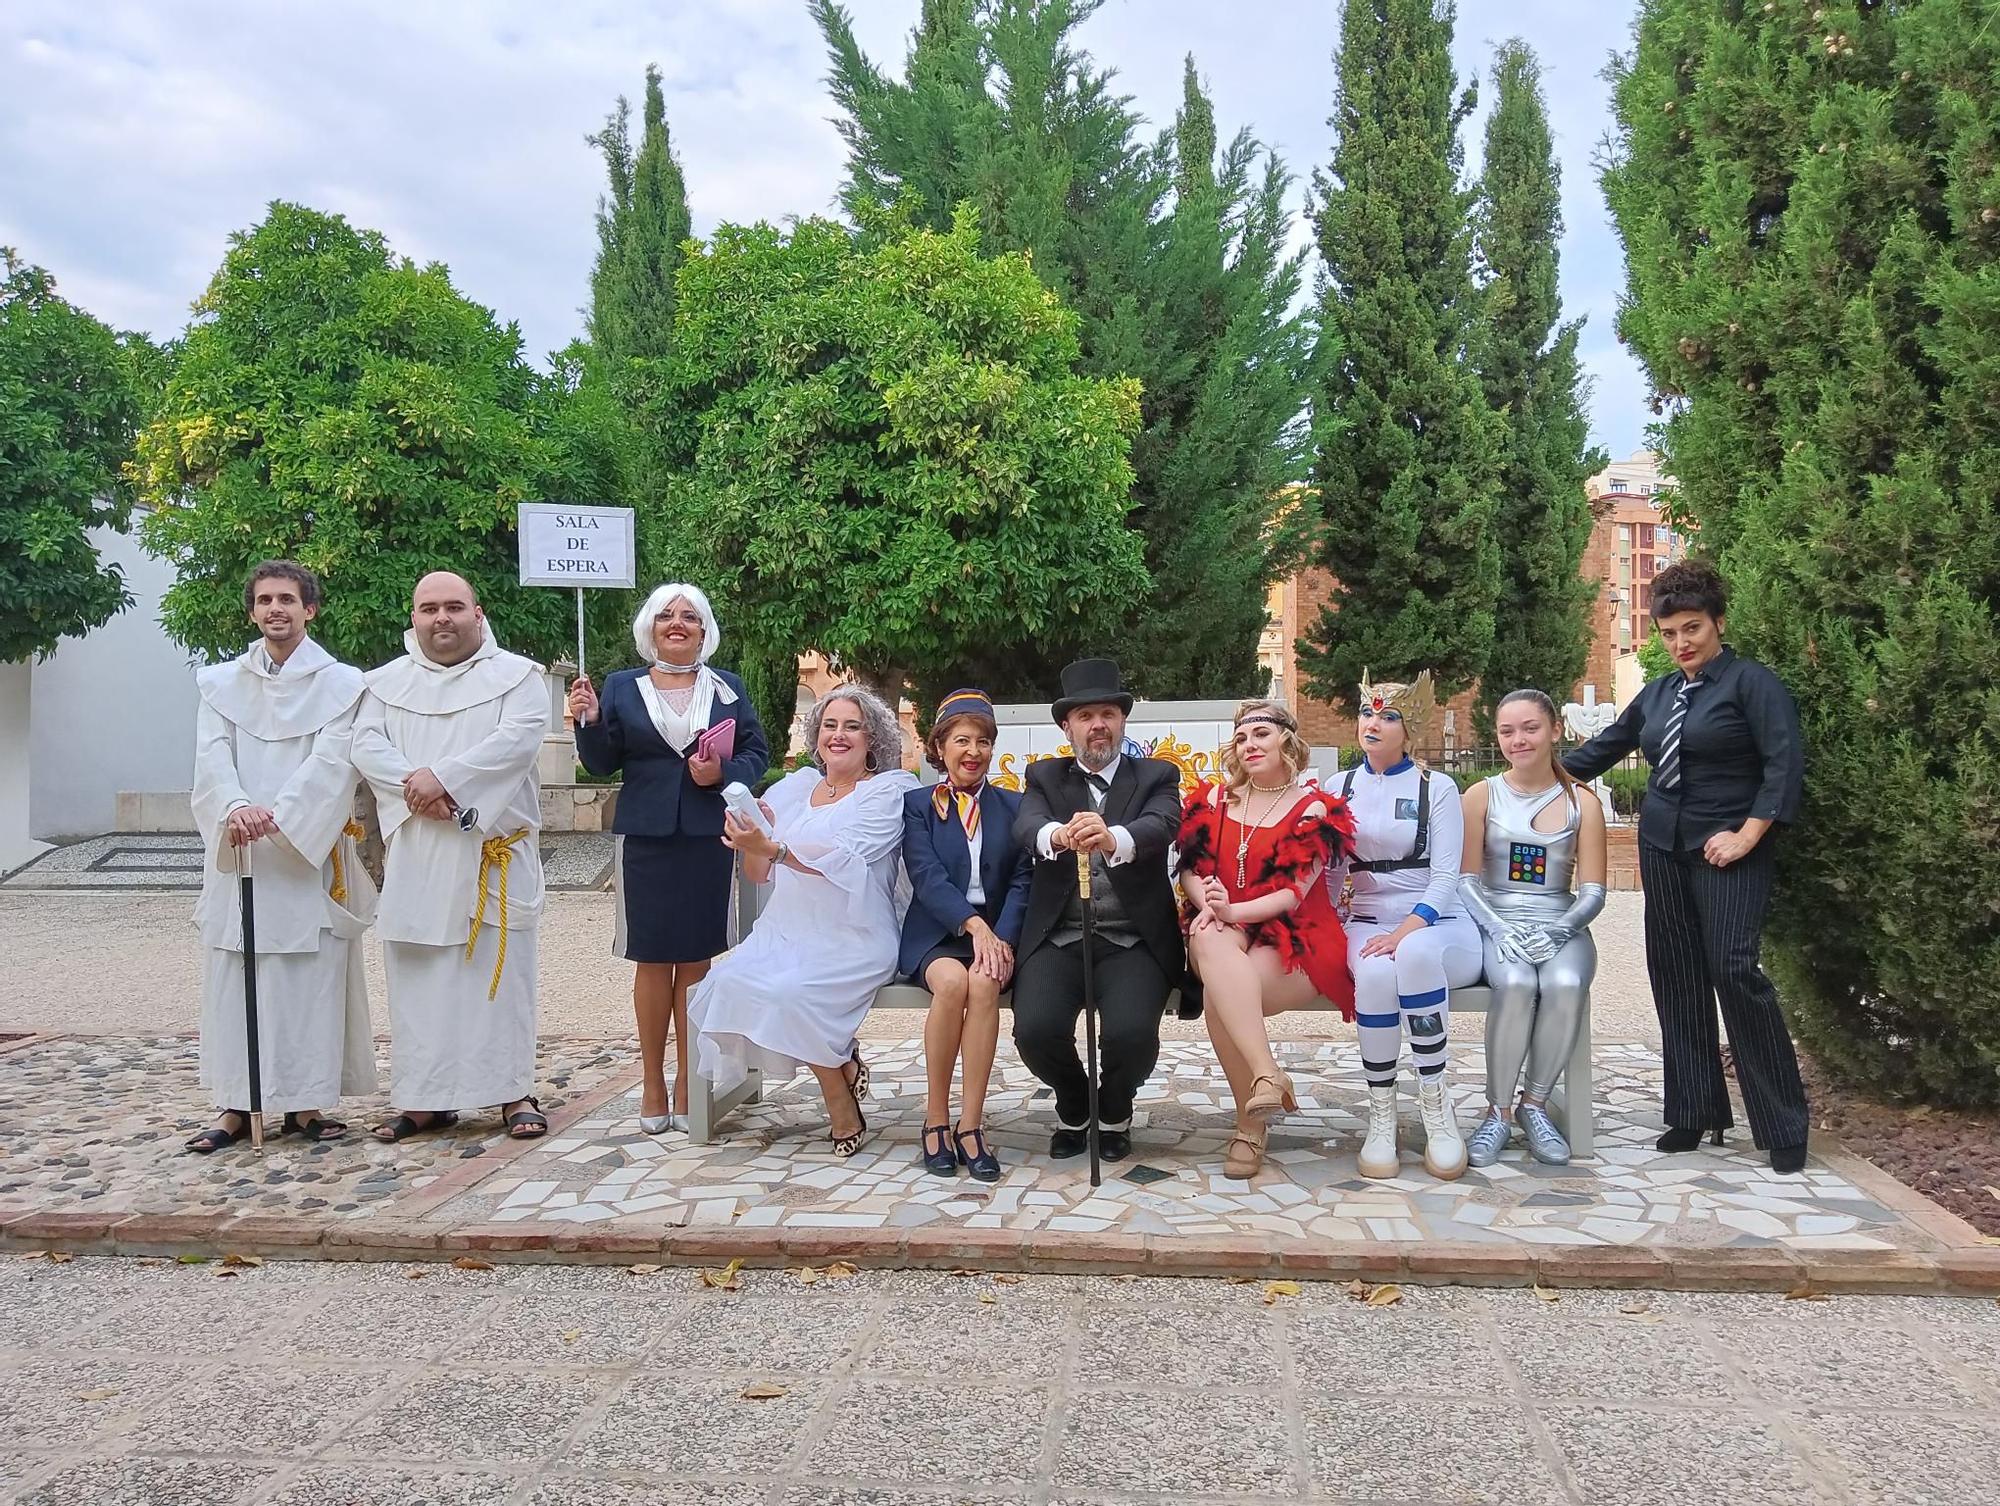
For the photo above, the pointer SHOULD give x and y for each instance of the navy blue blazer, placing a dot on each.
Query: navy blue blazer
(939, 861)
(658, 799)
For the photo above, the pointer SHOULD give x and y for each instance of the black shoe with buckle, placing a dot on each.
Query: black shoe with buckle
(982, 1163)
(939, 1160)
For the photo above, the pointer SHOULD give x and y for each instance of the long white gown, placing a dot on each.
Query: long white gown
(797, 988)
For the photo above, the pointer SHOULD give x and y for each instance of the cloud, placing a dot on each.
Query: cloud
(136, 137)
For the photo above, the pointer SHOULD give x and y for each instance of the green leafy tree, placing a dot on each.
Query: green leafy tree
(641, 225)
(883, 450)
(1541, 629)
(69, 406)
(340, 406)
(1409, 488)
(1809, 199)
(1174, 257)
(1654, 660)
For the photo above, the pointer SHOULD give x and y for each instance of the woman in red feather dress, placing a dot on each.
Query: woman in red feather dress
(1262, 933)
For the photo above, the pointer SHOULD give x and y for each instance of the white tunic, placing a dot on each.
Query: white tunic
(458, 1039)
(799, 986)
(278, 736)
(1385, 826)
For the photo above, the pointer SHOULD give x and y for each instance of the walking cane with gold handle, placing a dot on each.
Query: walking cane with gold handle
(248, 891)
(1089, 1005)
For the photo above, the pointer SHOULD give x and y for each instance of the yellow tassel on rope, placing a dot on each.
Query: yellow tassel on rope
(493, 852)
(337, 890)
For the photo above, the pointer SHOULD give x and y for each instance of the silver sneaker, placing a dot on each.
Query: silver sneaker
(1545, 1141)
(1484, 1148)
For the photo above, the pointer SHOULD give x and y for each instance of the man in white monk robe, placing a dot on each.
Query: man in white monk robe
(274, 798)
(448, 737)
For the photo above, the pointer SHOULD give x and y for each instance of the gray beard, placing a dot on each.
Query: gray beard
(1097, 765)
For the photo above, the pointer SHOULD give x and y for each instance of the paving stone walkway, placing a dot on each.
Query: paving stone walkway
(91, 1132)
(171, 860)
(310, 1383)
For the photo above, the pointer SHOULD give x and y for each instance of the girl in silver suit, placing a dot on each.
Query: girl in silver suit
(1531, 833)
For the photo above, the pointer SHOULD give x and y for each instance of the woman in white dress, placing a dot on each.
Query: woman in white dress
(796, 990)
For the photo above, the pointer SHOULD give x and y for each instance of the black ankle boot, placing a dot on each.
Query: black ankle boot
(1788, 1160)
(1679, 1138)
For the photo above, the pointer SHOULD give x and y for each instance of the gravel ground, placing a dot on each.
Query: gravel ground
(129, 964)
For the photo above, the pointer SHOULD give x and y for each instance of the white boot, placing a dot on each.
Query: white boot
(1444, 1147)
(1378, 1157)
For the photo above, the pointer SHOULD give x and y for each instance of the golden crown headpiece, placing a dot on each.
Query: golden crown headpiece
(1414, 700)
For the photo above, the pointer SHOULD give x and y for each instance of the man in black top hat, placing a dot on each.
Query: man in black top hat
(1124, 812)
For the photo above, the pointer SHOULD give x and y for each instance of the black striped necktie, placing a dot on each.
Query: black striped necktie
(1670, 748)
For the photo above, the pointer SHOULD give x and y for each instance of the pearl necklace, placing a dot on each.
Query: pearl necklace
(1245, 826)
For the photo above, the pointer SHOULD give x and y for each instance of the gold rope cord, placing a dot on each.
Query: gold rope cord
(337, 890)
(493, 852)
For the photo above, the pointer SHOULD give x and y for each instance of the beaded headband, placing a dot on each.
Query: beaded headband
(1268, 720)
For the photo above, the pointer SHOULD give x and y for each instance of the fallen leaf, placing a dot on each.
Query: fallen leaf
(724, 1279)
(33, 1255)
(840, 1270)
(642, 1270)
(223, 1272)
(1006, 1278)
(190, 1260)
(415, 1273)
(1357, 1289)
(808, 1275)
(471, 1263)
(1921, 1111)
(102, 1393)
(763, 1392)
(1386, 1295)
(1242, 1280)
(1126, 1276)
(1273, 1290)
(572, 1336)
(988, 1297)
(1804, 1292)
(63, 1257)
(1994, 1192)
(1546, 1295)
(1634, 1309)
(962, 1270)
(251, 1261)
(1989, 1239)
(151, 1260)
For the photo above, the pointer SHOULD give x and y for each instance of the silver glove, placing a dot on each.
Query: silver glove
(1586, 907)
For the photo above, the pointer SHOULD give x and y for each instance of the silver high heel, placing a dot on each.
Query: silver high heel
(660, 1124)
(1494, 1131)
(1545, 1142)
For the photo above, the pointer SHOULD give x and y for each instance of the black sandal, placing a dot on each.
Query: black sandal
(218, 1137)
(403, 1126)
(527, 1124)
(318, 1128)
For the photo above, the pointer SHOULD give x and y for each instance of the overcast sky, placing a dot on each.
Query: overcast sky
(135, 135)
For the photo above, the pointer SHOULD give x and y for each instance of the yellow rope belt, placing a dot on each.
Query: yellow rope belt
(337, 890)
(494, 852)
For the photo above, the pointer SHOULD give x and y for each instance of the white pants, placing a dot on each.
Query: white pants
(1409, 990)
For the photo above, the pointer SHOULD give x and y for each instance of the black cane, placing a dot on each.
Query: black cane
(250, 1006)
(1089, 1005)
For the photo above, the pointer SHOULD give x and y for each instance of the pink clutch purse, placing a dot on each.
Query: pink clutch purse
(717, 742)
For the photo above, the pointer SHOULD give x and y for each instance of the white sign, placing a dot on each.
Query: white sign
(570, 545)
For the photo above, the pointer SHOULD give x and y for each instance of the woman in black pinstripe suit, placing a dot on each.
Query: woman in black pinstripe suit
(1722, 735)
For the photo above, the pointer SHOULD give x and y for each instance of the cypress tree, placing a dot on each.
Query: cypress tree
(1811, 218)
(1173, 255)
(1541, 629)
(1407, 486)
(641, 224)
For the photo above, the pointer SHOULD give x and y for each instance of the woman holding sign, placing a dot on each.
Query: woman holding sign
(680, 732)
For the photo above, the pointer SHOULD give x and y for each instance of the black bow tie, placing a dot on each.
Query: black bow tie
(1097, 782)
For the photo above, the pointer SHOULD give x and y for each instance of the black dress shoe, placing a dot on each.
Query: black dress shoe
(1680, 1138)
(1788, 1160)
(1113, 1145)
(1066, 1142)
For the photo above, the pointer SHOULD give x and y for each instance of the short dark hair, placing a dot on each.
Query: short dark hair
(1690, 586)
(290, 570)
(934, 744)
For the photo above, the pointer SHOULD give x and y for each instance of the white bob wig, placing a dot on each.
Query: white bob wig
(694, 596)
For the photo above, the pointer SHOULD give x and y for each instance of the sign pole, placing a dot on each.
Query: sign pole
(579, 632)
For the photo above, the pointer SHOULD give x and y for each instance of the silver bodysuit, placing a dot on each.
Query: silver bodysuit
(1524, 887)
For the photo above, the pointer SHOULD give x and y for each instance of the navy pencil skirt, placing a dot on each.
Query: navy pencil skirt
(673, 898)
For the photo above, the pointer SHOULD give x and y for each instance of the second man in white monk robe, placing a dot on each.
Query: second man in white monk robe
(448, 736)
(274, 797)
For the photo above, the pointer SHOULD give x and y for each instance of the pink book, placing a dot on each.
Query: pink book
(718, 741)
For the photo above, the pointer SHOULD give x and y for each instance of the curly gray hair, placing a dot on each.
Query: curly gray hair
(885, 735)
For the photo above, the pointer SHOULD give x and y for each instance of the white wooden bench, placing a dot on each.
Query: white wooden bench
(1569, 1106)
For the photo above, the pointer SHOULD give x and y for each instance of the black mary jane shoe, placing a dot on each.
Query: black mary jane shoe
(939, 1162)
(319, 1127)
(219, 1137)
(982, 1163)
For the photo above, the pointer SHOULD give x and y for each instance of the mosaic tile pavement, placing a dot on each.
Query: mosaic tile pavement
(771, 1168)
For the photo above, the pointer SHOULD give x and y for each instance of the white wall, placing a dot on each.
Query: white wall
(16, 846)
(113, 710)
